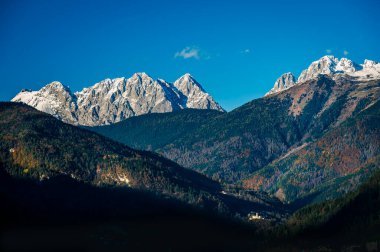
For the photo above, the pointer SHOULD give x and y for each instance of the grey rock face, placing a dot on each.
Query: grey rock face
(113, 100)
(193, 95)
(286, 81)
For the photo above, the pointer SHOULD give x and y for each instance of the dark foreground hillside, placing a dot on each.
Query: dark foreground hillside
(65, 186)
(351, 223)
(66, 215)
(62, 214)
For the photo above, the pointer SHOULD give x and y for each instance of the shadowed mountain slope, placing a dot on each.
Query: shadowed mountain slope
(38, 146)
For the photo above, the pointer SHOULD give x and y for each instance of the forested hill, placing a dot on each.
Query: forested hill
(331, 166)
(154, 131)
(38, 146)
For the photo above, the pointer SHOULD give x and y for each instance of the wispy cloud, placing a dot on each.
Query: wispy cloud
(328, 51)
(345, 52)
(246, 51)
(188, 53)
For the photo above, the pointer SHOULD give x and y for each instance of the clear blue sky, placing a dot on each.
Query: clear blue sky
(235, 49)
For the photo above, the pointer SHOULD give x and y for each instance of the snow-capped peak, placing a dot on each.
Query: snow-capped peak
(346, 66)
(187, 75)
(186, 83)
(141, 75)
(325, 65)
(370, 63)
(331, 66)
(56, 85)
(197, 97)
(113, 100)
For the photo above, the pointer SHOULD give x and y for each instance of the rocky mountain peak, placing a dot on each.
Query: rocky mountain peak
(196, 96)
(142, 76)
(285, 81)
(187, 84)
(113, 100)
(188, 78)
(57, 86)
(346, 66)
(324, 65)
(187, 75)
(370, 63)
(329, 65)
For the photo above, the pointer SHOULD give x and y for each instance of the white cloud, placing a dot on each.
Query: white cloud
(328, 51)
(188, 53)
(345, 52)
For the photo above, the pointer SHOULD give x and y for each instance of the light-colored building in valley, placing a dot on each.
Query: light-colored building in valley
(253, 217)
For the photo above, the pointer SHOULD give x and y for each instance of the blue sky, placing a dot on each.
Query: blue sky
(235, 49)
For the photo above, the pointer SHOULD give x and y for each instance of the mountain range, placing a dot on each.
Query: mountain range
(328, 65)
(253, 143)
(113, 100)
(304, 158)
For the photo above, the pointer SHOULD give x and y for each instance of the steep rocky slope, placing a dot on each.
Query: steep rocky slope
(328, 168)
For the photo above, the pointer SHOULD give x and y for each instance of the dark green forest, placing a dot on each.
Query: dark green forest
(154, 131)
